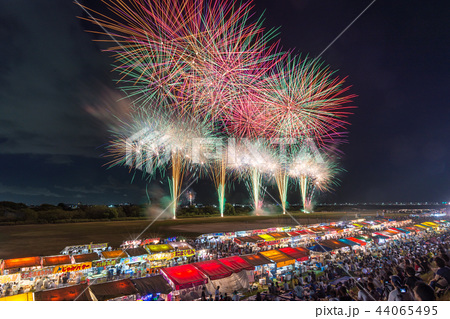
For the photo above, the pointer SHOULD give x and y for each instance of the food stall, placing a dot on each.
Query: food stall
(159, 256)
(137, 261)
(10, 266)
(259, 262)
(154, 288)
(243, 271)
(84, 249)
(71, 293)
(186, 281)
(219, 275)
(282, 264)
(119, 290)
(183, 252)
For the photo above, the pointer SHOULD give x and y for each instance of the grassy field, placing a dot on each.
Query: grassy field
(50, 239)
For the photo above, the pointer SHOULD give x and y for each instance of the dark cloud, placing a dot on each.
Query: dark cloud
(58, 100)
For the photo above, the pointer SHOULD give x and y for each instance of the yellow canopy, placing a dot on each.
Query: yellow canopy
(431, 224)
(266, 237)
(22, 297)
(278, 257)
(421, 226)
(153, 249)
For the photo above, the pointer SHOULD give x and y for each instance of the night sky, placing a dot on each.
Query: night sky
(395, 56)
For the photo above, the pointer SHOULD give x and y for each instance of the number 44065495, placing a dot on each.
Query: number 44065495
(407, 310)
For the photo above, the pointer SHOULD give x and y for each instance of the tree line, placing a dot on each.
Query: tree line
(19, 213)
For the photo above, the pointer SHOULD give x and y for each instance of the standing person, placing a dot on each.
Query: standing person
(204, 293)
(258, 296)
(235, 296)
(217, 294)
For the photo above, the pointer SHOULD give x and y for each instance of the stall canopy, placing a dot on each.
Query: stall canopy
(348, 242)
(152, 285)
(256, 238)
(213, 269)
(113, 289)
(256, 260)
(294, 253)
(320, 248)
(403, 230)
(114, 254)
(85, 257)
(333, 244)
(134, 252)
(71, 293)
(279, 235)
(56, 260)
(184, 276)
(245, 239)
(267, 237)
(278, 257)
(181, 245)
(155, 249)
(236, 263)
(357, 240)
(366, 239)
(293, 234)
(22, 262)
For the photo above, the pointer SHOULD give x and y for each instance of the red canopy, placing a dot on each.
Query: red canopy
(295, 253)
(56, 260)
(22, 262)
(213, 269)
(293, 234)
(236, 263)
(358, 241)
(184, 276)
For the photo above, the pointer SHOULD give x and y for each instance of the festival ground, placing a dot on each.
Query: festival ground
(45, 239)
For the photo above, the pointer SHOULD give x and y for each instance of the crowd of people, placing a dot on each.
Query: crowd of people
(394, 272)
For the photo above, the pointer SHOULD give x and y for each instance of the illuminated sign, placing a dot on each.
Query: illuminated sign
(150, 241)
(132, 260)
(160, 256)
(98, 246)
(105, 263)
(74, 267)
(183, 253)
(36, 273)
(9, 278)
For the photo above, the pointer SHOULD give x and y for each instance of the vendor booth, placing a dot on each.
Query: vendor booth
(71, 293)
(222, 276)
(295, 253)
(120, 290)
(152, 288)
(17, 264)
(186, 281)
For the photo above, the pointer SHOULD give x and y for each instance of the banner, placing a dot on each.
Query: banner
(36, 273)
(160, 256)
(9, 278)
(74, 267)
(105, 263)
(98, 246)
(132, 260)
(185, 253)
